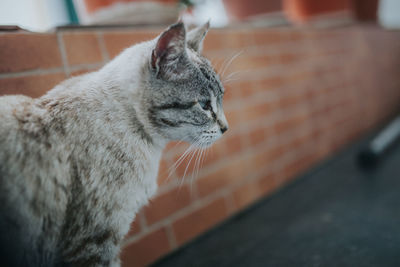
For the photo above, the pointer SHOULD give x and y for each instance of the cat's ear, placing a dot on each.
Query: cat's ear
(170, 47)
(196, 36)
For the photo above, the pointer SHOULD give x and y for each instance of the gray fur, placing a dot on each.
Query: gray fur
(196, 37)
(78, 163)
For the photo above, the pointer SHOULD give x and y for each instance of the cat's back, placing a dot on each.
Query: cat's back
(10, 106)
(21, 128)
(16, 112)
(30, 187)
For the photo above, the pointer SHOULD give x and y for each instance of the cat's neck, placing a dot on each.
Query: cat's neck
(124, 78)
(106, 126)
(115, 89)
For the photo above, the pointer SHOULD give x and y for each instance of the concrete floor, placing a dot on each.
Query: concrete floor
(335, 215)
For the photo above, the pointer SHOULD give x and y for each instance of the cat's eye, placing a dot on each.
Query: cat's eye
(206, 105)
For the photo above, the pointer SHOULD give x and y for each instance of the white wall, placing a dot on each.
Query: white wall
(208, 10)
(34, 15)
(389, 13)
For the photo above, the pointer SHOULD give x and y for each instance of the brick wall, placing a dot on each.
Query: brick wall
(297, 97)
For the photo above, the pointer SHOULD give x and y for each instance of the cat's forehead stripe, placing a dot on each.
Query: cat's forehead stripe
(194, 57)
(211, 76)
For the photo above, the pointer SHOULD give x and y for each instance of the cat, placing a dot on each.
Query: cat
(78, 163)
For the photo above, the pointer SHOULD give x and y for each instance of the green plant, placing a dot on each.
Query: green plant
(188, 3)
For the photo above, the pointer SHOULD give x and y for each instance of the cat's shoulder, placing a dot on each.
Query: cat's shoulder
(13, 107)
(8, 101)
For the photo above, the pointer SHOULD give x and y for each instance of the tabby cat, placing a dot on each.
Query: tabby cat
(78, 163)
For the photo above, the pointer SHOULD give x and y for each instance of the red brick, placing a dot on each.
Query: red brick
(300, 75)
(245, 63)
(223, 177)
(290, 58)
(229, 93)
(271, 83)
(267, 184)
(297, 142)
(33, 86)
(188, 164)
(115, 42)
(81, 71)
(163, 172)
(244, 39)
(209, 156)
(199, 221)
(245, 195)
(213, 154)
(258, 135)
(291, 100)
(175, 148)
(269, 156)
(167, 203)
(233, 143)
(234, 118)
(23, 51)
(82, 48)
(268, 37)
(290, 124)
(146, 250)
(135, 227)
(256, 111)
(218, 61)
(220, 40)
(244, 89)
(213, 41)
(297, 167)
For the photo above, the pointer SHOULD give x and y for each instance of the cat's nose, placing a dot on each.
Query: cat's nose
(222, 126)
(222, 123)
(223, 129)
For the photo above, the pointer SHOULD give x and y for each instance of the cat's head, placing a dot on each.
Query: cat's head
(184, 93)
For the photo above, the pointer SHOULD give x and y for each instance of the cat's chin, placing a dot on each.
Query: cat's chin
(205, 144)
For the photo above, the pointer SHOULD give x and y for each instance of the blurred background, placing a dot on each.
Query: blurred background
(309, 84)
(43, 15)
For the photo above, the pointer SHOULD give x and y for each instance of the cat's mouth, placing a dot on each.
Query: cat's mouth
(206, 144)
(208, 138)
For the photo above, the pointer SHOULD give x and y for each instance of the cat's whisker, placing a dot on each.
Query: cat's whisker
(201, 160)
(225, 64)
(187, 167)
(230, 62)
(194, 171)
(179, 161)
(228, 80)
(182, 157)
(172, 169)
(196, 165)
(193, 147)
(178, 143)
(204, 157)
(231, 81)
(220, 64)
(199, 163)
(198, 145)
(231, 77)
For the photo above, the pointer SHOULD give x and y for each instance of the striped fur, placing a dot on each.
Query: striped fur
(77, 164)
